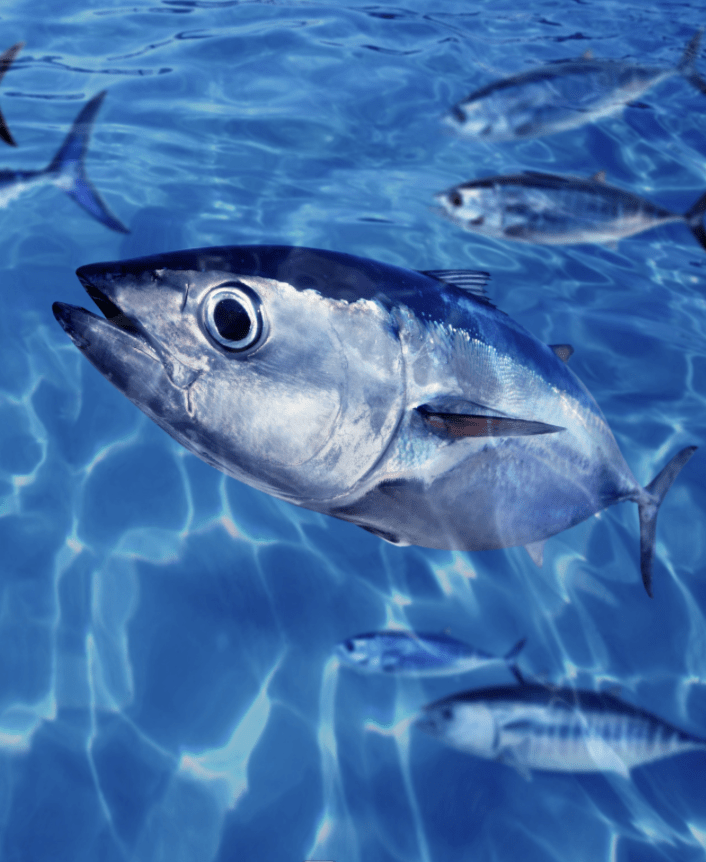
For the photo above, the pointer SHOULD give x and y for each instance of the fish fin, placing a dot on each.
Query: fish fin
(587, 55)
(563, 351)
(695, 220)
(473, 281)
(686, 65)
(69, 169)
(462, 425)
(382, 534)
(536, 552)
(512, 654)
(5, 63)
(509, 757)
(648, 506)
(599, 176)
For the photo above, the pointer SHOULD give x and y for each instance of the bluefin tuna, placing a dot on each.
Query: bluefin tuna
(561, 96)
(532, 727)
(5, 63)
(66, 171)
(404, 653)
(558, 210)
(401, 401)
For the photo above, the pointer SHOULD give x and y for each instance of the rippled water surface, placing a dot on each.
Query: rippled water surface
(167, 682)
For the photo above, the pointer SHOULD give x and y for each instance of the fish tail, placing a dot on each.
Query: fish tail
(510, 657)
(686, 66)
(5, 63)
(648, 506)
(695, 219)
(69, 169)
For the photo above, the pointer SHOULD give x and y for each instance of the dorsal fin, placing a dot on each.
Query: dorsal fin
(563, 351)
(599, 176)
(587, 54)
(472, 281)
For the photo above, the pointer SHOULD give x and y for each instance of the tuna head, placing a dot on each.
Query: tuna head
(292, 389)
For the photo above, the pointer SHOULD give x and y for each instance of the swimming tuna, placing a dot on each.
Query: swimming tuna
(562, 96)
(401, 401)
(66, 171)
(534, 727)
(556, 210)
(5, 63)
(419, 654)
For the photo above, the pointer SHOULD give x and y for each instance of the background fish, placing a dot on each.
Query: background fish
(534, 727)
(562, 96)
(5, 63)
(551, 209)
(66, 171)
(419, 654)
(386, 397)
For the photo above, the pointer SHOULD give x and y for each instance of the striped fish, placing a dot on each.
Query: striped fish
(419, 654)
(562, 730)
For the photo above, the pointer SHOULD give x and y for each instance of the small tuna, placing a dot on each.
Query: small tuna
(5, 63)
(66, 171)
(556, 210)
(419, 654)
(562, 96)
(401, 401)
(534, 727)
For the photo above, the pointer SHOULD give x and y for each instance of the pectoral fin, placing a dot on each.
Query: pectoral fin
(462, 425)
(536, 552)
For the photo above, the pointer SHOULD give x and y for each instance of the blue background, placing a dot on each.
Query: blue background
(167, 690)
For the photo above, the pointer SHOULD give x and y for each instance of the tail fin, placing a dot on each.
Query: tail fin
(648, 507)
(686, 66)
(69, 170)
(510, 657)
(695, 219)
(5, 63)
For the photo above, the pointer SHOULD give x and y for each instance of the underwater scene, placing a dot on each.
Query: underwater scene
(425, 233)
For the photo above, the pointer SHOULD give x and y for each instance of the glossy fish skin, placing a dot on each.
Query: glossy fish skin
(532, 727)
(66, 171)
(382, 396)
(402, 653)
(557, 210)
(561, 96)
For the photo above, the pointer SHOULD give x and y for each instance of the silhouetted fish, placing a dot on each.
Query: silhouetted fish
(419, 654)
(66, 171)
(562, 96)
(534, 727)
(556, 210)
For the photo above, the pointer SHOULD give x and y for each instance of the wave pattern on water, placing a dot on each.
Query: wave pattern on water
(167, 684)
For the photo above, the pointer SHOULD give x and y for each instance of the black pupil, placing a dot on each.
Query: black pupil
(456, 199)
(232, 320)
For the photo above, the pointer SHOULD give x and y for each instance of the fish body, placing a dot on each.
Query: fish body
(561, 96)
(418, 654)
(558, 210)
(66, 171)
(394, 399)
(533, 727)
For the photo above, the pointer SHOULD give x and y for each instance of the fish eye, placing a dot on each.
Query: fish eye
(456, 199)
(232, 316)
(447, 713)
(349, 645)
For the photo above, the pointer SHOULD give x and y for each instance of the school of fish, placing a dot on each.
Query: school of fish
(404, 402)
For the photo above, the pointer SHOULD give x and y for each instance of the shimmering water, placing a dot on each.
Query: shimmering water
(167, 689)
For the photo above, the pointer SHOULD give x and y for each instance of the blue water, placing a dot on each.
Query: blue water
(167, 688)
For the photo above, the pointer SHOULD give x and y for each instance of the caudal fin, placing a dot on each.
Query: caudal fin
(510, 657)
(687, 67)
(695, 219)
(5, 63)
(648, 507)
(69, 170)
